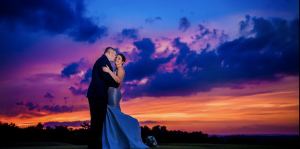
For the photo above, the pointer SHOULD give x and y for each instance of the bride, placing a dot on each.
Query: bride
(119, 130)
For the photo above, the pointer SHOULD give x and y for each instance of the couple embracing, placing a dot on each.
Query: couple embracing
(110, 128)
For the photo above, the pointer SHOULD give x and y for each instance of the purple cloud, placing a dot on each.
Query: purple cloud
(259, 129)
(78, 92)
(71, 124)
(43, 77)
(87, 77)
(127, 34)
(29, 105)
(130, 33)
(233, 64)
(184, 24)
(75, 68)
(70, 70)
(58, 109)
(147, 122)
(212, 34)
(138, 70)
(48, 95)
(20, 103)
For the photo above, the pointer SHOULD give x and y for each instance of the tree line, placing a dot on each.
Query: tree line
(38, 133)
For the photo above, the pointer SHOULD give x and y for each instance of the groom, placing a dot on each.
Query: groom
(98, 95)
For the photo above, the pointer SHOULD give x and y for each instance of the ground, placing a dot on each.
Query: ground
(55, 145)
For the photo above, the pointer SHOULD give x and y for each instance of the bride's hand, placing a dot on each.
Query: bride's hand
(106, 68)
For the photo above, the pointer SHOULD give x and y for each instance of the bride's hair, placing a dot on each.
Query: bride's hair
(123, 58)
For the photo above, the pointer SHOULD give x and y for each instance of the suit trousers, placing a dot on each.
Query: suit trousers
(98, 109)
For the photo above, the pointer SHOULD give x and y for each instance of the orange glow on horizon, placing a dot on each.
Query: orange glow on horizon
(255, 109)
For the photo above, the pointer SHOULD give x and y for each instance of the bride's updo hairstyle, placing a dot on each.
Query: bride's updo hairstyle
(123, 58)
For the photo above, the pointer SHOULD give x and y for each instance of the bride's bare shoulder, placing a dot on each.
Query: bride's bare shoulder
(121, 71)
(121, 68)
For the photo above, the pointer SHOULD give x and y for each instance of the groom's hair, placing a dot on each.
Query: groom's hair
(109, 49)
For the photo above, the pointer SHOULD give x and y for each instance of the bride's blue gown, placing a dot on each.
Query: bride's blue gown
(120, 130)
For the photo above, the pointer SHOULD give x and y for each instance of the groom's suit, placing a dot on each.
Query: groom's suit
(98, 95)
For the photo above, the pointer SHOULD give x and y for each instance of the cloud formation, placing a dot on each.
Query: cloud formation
(44, 77)
(151, 20)
(78, 92)
(184, 24)
(20, 103)
(58, 109)
(48, 95)
(131, 33)
(29, 105)
(244, 24)
(147, 122)
(75, 68)
(70, 70)
(87, 77)
(52, 16)
(270, 55)
(70, 124)
(145, 66)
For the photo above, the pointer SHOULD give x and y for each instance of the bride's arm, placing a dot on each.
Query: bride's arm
(120, 86)
(118, 78)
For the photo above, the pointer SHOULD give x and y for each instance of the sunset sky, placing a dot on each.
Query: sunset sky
(220, 66)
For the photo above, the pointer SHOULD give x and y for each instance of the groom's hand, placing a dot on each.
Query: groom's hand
(106, 68)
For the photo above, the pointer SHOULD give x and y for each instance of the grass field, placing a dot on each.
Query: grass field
(54, 145)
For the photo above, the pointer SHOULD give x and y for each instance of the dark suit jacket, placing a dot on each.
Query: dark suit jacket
(101, 80)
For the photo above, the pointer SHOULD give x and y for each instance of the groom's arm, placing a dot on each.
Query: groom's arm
(106, 76)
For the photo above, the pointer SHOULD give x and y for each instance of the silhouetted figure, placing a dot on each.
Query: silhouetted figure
(98, 95)
(119, 130)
